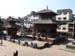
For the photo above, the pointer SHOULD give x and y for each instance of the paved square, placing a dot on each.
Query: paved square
(9, 48)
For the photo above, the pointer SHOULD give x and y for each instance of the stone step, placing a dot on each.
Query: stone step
(74, 42)
(70, 45)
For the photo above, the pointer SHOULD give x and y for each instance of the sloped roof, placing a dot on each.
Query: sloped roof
(45, 11)
(10, 26)
(50, 21)
(64, 11)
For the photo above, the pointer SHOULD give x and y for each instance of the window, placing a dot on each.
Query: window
(70, 25)
(63, 34)
(64, 28)
(64, 18)
(59, 18)
(71, 30)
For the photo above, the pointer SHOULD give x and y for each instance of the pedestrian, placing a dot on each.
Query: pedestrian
(39, 34)
(46, 37)
(16, 54)
(1, 42)
(31, 44)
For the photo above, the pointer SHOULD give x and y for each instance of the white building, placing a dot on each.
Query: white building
(65, 16)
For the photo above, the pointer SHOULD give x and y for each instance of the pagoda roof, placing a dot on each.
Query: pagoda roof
(45, 11)
(50, 21)
(12, 26)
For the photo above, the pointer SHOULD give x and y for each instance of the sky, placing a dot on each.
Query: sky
(20, 8)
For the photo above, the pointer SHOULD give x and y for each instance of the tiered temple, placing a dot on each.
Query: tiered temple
(46, 24)
(12, 28)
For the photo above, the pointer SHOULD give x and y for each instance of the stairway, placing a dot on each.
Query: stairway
(71, 45)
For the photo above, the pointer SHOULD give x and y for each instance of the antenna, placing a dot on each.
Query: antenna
(47, 7)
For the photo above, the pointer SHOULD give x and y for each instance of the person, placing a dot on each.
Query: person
(26, 44)
(31, 44)
(39, 34)
(1, 42)
(46, 45)
(35, 45)
(46, 37)
(16, 54)
(34, 36)
(19, 42)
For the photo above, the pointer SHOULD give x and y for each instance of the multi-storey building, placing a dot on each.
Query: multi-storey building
(66, 28)
(72, 28)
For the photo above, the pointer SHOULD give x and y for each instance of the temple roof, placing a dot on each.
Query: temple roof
(50, 21)
(45, 11)
(12, 26)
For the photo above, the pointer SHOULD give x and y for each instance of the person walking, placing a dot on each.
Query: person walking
(16, 54)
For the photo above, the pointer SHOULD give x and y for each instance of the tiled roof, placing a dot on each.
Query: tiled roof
(45, 11)
(64, 11)
(10, 26)
(50, 21)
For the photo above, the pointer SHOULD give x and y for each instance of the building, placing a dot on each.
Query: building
(66, 28)
(46, 24)
(12, 27)
(1, 28)
(72, 28)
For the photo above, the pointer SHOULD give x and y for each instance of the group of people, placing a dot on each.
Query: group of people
(34, 45)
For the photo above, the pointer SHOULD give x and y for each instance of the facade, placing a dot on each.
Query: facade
(27, 20)
(2, 29)
(12, 27)
(66, 28)
(46, 24)
(72, 28)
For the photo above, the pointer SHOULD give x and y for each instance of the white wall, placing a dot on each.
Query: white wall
(68, 16)
(62, 15)
(63, 26)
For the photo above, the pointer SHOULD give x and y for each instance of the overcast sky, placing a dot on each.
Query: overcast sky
(21, 8)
